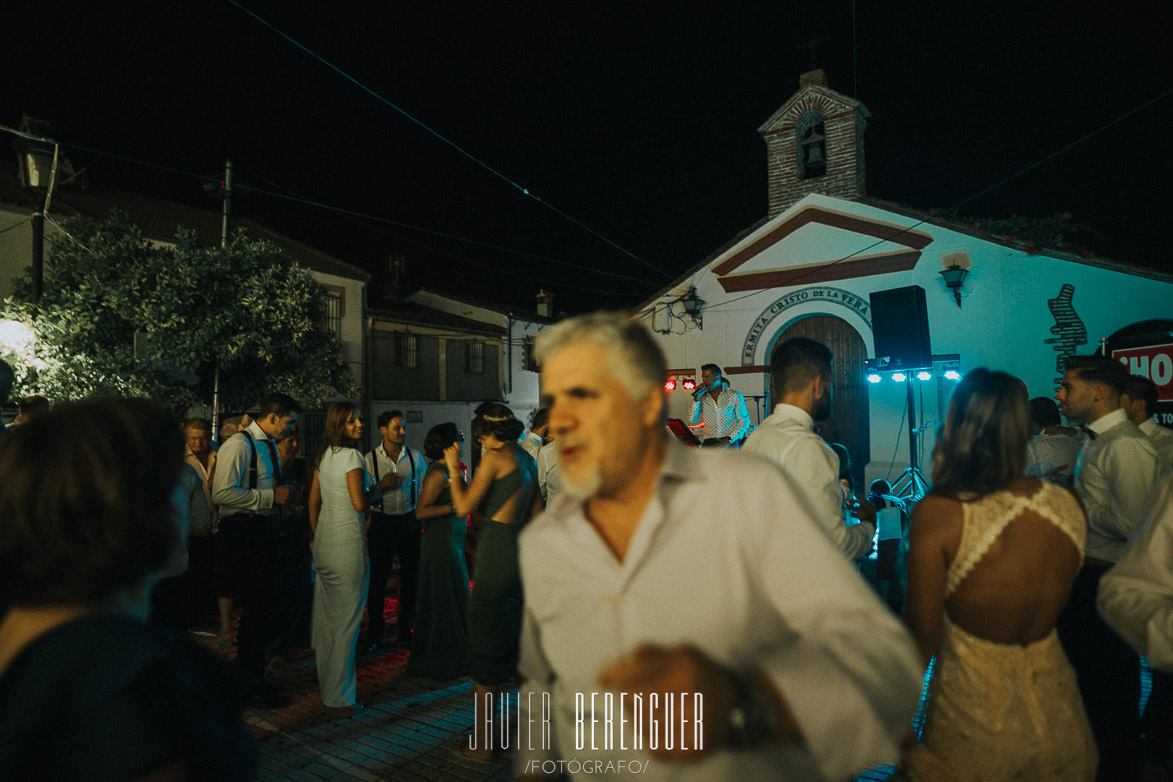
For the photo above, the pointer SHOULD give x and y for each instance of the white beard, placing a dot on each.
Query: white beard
(584, 486)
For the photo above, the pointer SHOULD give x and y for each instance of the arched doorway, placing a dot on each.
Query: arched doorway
(849, 423)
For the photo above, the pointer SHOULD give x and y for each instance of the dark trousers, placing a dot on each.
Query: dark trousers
(1157, 723)
(247, 543)
(391, 537)
(1108, 671)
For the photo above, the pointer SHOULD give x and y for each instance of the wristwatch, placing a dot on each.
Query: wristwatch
(751, 721)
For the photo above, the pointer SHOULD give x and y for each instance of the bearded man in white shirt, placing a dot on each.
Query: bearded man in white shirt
(1139, 401)
(1114, 474)
(684, 613)
(801, 372)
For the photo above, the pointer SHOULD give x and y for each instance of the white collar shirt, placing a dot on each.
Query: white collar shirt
(727, 557)
(1114, 474)
(230, 484)
(549, 472)
(531, 444)
(787, 439)
(401, 498)
(1162, 439)
(724, 416)
(1136, 596)
(1060, 450)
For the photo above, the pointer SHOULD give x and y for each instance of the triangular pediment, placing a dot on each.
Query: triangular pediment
(814, 243)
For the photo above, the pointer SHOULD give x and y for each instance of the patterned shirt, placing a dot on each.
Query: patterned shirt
(724, 416)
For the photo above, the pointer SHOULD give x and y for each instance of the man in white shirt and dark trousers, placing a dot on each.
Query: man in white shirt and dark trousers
(394, 532)
(698, 577)
(1114, 474)
(726, 421)
(1139, 401)
(247, 488)
(801, 373)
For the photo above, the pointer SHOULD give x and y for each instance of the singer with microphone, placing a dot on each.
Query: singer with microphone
(726, 421)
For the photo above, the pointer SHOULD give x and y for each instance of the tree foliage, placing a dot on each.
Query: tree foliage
(120, 315)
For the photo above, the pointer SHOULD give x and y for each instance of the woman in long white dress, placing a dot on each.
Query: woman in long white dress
(992, 559)
(337, 508)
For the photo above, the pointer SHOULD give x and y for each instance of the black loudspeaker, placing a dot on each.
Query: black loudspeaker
(900, 327)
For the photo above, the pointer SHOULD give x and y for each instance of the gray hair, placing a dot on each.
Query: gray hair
(634, 358)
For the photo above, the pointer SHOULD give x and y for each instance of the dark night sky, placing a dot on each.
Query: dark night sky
(636, 119)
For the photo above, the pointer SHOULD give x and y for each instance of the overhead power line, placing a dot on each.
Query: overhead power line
(524, 190)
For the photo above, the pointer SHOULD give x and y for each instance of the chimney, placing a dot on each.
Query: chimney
(545, 304)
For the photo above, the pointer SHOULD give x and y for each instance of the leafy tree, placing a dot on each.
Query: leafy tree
(120, 315)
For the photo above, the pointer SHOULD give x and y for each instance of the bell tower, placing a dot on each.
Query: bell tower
(814, 144)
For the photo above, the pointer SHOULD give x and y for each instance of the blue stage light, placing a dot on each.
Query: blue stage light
(952, 374)
(899, 377)
(874, 378)
(923, 375)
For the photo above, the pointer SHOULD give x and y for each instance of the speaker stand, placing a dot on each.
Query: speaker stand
(911, 486)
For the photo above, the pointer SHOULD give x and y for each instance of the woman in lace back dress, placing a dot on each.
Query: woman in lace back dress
(991, 562)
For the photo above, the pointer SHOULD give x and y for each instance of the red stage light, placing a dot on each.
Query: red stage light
(670, 385)
(689, 385)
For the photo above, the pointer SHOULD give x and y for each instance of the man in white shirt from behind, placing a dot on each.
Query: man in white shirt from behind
(1114, 474)
(532, 442)
(1053, 444)
(726, 421)
(801, 372)
(694, 581)
(1139, 401)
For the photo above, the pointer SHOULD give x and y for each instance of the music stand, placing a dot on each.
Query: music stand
(682, 433)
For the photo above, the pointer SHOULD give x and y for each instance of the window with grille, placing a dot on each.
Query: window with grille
(406, 350)
(527, 356)
(474, 358)
(332, 317)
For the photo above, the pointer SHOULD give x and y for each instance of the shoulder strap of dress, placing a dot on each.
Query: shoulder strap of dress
(982, 521)
(1061, 509)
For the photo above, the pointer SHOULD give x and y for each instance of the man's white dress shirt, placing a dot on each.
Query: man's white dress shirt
(1136, 596)
(230, 484)
(1162, 439)
(786, 438)
(727, 557)
(549, 472)
(1056, 449)
(410, 467)
(531, 444)
(724, 416)
(1113, 476)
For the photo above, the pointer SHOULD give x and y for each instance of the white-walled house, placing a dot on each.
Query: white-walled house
(810, 268)
(435, 356)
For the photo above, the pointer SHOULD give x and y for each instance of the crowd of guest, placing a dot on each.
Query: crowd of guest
(1027, 581)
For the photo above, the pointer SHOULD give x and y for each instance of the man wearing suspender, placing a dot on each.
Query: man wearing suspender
(247, 487)
(394, 530)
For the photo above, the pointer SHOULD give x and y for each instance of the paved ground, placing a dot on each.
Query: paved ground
(404, 733)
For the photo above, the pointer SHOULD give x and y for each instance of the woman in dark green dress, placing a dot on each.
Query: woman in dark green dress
(505, 490)
(439, 647)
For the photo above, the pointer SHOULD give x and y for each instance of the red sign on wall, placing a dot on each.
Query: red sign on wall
(1152, 361)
